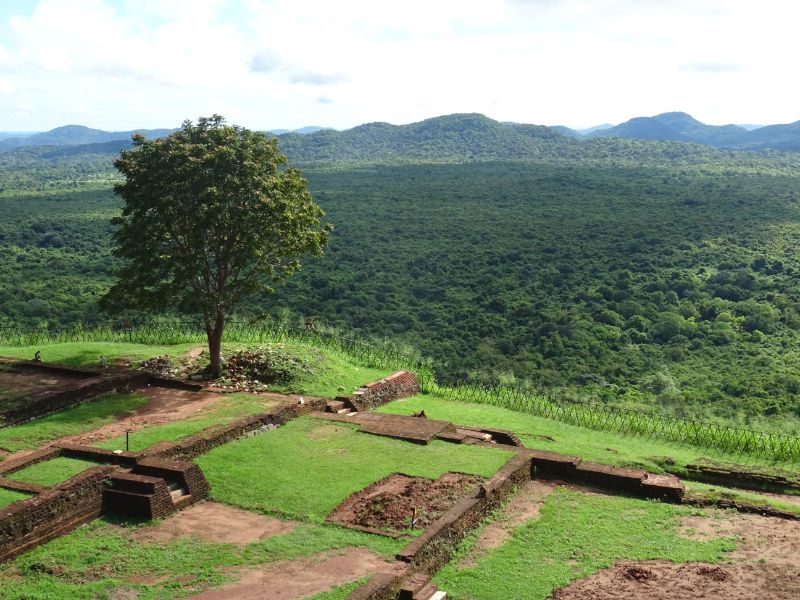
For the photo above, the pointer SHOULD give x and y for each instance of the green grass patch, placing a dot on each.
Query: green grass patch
(307, 467)
(328, 370)
(10, 496)
(73, 421)
(576, 535)
(230, 408)
(714, 492)
(53, 471)
(546, 434)
(101, 558)
(87, 354)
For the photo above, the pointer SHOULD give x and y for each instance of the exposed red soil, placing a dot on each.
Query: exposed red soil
(27, 382)
(302, 577)
(661, 580)
(523, 507)
(217, 523)
(388, 505)
(764, 566)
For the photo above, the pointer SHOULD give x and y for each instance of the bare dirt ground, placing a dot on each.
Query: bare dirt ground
(523, 507)
(302, 577)
(388, 505)
(21, 383)
(217, 523)
(166, 405)
(765, 566)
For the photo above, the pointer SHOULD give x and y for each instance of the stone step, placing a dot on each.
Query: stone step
(334, 406)
(344, 411)
(440, 595)
(413, 586)
(427, 592)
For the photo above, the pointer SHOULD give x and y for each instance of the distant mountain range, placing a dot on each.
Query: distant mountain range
(681, 127)
(73, 135)
(459, 136)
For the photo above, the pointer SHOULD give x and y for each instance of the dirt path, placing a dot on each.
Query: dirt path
(302, 577)
(217, 523)
(764, 566)
(523, 507)
(166, 405)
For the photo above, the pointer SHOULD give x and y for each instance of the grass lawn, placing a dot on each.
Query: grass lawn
(601, 446)
(87, 354)
(69, 422)
(10, 496)
(304, 469)
(230, 408)
(576, 535)
(328, 369)
(715, 492)
(101, 560)
(53, 471)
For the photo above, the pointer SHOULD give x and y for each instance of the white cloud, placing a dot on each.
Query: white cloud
(156, 62)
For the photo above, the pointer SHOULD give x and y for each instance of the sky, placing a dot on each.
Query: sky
(125, 64)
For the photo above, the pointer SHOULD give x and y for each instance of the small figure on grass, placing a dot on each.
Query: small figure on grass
(420, 415)
(103, 362)
(37, 357)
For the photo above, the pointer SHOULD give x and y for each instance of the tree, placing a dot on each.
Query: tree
(212, 214)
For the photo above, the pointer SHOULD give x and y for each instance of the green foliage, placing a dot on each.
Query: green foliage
(211, 216)
(589, 269)
(304, 469)
(577, 535)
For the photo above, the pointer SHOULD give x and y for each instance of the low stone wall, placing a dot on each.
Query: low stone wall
(99, 455)
(53, 512)
(208, 439)
(48, 402)
(741, 478)
(401, 384)
(435, 547)
(37, 456)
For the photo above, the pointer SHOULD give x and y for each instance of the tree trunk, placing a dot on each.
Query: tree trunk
(214, 334)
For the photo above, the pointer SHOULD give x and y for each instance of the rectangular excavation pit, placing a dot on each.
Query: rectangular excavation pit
(387, 506)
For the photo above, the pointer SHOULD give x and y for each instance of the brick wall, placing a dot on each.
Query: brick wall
(435, 547)
(52, 513)
(46, 402)
(211, 437)
(397, 385)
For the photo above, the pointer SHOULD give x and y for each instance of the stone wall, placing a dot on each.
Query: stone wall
(397, 385)
(211, 437)
(51, 401)
(53, 512)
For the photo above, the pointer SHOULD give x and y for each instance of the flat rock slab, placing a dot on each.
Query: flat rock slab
(216, 523)
(403, 427)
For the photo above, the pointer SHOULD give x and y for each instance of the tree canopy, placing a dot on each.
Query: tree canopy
(212, 214)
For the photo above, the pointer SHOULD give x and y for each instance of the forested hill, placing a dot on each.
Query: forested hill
(644, 273)
(679, 126)
(464, 137)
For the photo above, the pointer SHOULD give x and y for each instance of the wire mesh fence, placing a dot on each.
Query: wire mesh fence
(381, 355)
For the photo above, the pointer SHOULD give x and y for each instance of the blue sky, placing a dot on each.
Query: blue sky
(121, 64)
